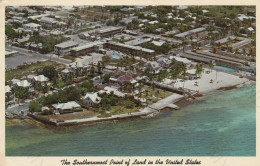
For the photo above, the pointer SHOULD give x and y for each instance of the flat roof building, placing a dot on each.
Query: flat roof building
(198, 32)
(32, 26)
(108, 31)
(137, 50)
(82, 50)
(64, 48)
(49, 22)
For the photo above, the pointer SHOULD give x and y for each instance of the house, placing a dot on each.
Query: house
(111, 90)
(84, 49)
(122, 77)
(91, 99)
(30, 78)
(48, 22)
(250, 30)
(68, 107)
(152, 67)
(64, 48)
(107, 31)
(40, 79)
(191, 74)
(242, 17)
(45, 109)
(158, 43)
(34, 46)
(8, 93)
(32, 26)
(137, 8)
(182, 7)
(35, 17)
(8, 89)
(127, 20)
(56, 33)
(84, 35)
(76, 67)
(195, 33)
(205, 11)
(153, 22)
(21, 41)
(23, 83)
(175, 31)
(164, 62)
(14, 81)
(65, 72)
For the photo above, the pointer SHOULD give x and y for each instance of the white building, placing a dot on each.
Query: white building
(23, 83)
(110, 90)
(40, 78)
(68, 107)
(8, 89)
(91, 98)
(49, 22)
(64, 48)
(32, 26)
(152, 66)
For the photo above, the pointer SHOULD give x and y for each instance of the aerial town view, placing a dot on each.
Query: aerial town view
(130, 80)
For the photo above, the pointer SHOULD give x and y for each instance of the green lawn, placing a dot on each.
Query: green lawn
(84, 30)
(116, 110)
(25, 70)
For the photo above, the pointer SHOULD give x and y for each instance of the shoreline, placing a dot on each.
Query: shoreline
(146, 112)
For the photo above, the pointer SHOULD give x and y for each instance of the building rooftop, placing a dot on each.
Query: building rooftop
(79, 48)
(38, 16)
(93, 97)
(48, 19)
(32, 25)
(65, 106)
(40, 78)
(7, 89)
(132, 47)
(67, 44)
(107, 29)
(190, 32)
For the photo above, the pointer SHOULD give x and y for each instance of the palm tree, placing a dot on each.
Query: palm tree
(211, 65)
(198, 70)
(184, 73)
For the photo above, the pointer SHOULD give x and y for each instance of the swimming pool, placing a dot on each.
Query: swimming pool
(115, 56)
(224, 68)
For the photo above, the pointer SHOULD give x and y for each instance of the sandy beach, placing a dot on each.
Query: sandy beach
(220, 80)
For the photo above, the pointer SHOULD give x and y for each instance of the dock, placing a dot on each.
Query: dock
(173, 106)
(167, 102)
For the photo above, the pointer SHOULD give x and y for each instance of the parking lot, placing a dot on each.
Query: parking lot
(14, 61)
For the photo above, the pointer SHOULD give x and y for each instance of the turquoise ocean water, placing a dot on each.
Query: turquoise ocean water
(222, 124)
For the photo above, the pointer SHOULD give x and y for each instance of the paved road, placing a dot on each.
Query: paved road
(35, 54)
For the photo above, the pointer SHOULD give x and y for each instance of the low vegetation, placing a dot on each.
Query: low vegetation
(84, 30)
(24, 70)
